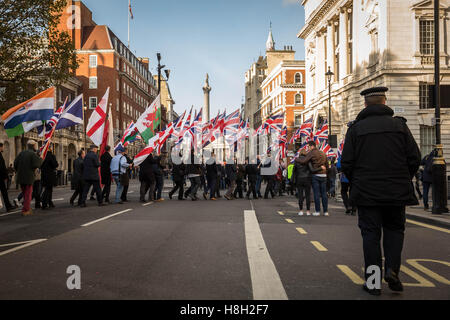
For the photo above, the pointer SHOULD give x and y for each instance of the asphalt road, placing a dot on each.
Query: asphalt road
(259, 249)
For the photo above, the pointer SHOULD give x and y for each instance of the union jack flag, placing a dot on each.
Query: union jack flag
(322, 133)
(50, 129)
(232, 121)
(306, 129)
(275, 122)
(186, 126)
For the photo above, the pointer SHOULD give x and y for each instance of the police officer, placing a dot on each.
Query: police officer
(380, 158)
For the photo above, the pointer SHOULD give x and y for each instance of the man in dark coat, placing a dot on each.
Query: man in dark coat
(147, 179)
(48, 179)
(380, 158)
(240, 176)
(25, 165)
(77, 178)
(178, 172)
(269, 175)
(231, 172)
(211, 178)
(251, 171)
(105, 171)
(3, 178)
(159, 177)
(194, 171)
(91, 176)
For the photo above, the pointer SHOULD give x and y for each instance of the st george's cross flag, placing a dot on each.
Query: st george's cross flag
(96, 124)
(40, 107)
(148, 122)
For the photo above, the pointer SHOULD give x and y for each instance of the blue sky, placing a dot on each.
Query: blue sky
(195, 37)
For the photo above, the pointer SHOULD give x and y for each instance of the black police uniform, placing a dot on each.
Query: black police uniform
(380, 158)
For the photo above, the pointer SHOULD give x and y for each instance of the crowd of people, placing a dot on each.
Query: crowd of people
(310, 177)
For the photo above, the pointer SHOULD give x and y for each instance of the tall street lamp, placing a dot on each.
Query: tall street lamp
(332, 139)
(439, 166)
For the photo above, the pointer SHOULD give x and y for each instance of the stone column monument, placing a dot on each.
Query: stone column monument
(206, 91)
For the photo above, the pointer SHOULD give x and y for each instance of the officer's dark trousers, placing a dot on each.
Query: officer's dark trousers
(179, 185)
(386, 220)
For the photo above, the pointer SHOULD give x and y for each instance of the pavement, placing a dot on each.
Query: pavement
(213, 250)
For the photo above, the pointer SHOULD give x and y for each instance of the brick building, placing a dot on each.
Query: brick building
(107, 62)
(276, 84)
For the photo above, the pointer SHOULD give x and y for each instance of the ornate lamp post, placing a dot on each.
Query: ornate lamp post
(332, 140)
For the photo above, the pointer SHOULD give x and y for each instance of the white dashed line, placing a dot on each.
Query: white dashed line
(107, 217)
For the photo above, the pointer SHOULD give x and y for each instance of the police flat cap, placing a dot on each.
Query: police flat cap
(375, 91)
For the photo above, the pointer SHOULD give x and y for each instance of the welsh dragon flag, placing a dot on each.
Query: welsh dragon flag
(148, 122)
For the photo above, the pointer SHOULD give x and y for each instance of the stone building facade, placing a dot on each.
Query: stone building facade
(369, 43)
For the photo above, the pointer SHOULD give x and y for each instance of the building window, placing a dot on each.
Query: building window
(92, 61)
(336, 50)
(298, 98)
(92, 82)
(92, 102)
(427, 139)
(424, 96)
(117, 105)
(297, 119)
(298, 77)
(426, 30)
(117, 63)
(117, 85)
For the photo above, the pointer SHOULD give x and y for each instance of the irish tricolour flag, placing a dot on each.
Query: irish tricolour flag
(40, 107)
(148, 122)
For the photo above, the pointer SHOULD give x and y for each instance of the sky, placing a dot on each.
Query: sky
(219, 37)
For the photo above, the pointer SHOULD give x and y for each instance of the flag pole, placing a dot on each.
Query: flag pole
(129, 6)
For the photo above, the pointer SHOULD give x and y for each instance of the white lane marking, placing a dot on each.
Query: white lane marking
(266, 282)
(292, 204)
(9, 213)
(147, 204)
(107, 217)
(130, 191)
(60, 199)
(26, 244)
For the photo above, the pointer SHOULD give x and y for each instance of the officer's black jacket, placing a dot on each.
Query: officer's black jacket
(380, 158)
